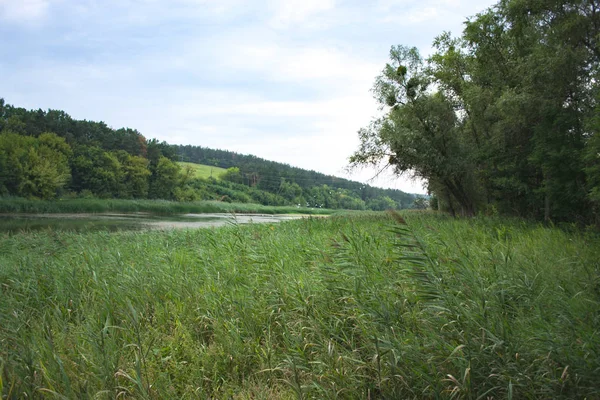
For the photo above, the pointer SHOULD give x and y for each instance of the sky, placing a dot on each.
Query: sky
(285, 80)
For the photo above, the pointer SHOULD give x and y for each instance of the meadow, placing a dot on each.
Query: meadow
(363, 305)
(203, 171)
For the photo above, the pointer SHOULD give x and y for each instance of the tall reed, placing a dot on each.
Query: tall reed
(365, 305)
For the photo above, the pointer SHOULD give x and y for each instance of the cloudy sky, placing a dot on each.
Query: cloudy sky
(286, 80)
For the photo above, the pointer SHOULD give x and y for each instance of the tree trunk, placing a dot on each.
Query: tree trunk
(546, 197)
(547, 207)
(459, 193)
(450, 204)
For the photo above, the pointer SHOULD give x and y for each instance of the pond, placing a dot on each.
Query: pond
(139, 221)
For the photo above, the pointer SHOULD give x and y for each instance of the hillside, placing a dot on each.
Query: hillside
(203, 171)
(268, 175)
(48, 155)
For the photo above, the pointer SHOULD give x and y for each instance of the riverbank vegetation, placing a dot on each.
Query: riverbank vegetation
(357, 306)
(20, 206)
(48, 155)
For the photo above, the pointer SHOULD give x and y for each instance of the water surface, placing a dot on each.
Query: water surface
(137, 221)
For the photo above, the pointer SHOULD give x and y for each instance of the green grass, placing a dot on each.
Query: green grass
(204, 171)
(18, 205)
(352, 306)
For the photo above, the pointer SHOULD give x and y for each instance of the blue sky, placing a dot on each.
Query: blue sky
(288, 81)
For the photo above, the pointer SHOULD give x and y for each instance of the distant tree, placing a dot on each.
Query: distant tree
(347, 201)
(232, 175)
(381, 204)
(33, 167)
(156, 149)
(421, 203)
(96, 170)
(14, 124)
(51, 171)
(14, 161)
(136, 175)
(164, 180)
(129, 140)
(290, 190)
(186, 175)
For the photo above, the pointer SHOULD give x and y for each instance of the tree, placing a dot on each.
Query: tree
(381, 204)
(421, 132)
(14, 161)
(31, 167)
(504, 117)
(165, 179)
(51, 170)
(232, 174)
(290, 191)
(135, 175)
(96, 170)
(540, 59)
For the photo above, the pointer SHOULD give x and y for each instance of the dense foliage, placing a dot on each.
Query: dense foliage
(502, 119)
(47, 154)
(357, 306)
(311, 187)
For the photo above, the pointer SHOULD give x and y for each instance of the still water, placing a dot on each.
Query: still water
(138, 221)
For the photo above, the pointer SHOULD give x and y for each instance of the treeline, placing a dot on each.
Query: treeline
(313, 187)
(47, 154)
(504, 118)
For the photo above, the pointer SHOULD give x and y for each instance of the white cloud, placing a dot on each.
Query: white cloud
(23, 11)
(298, 64)
(422, 15)
(294, 12)
(445, 14)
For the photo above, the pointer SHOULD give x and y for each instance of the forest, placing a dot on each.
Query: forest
(48, 155)
(503, 119)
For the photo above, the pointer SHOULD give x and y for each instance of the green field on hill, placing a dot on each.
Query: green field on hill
(367, 305)
(204, 171)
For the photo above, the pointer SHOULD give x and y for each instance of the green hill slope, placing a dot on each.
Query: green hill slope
(68, 158)
(203, 171)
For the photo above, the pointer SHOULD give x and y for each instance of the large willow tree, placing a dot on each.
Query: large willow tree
(504, 117)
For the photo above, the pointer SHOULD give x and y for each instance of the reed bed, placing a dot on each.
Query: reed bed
(367, 305)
